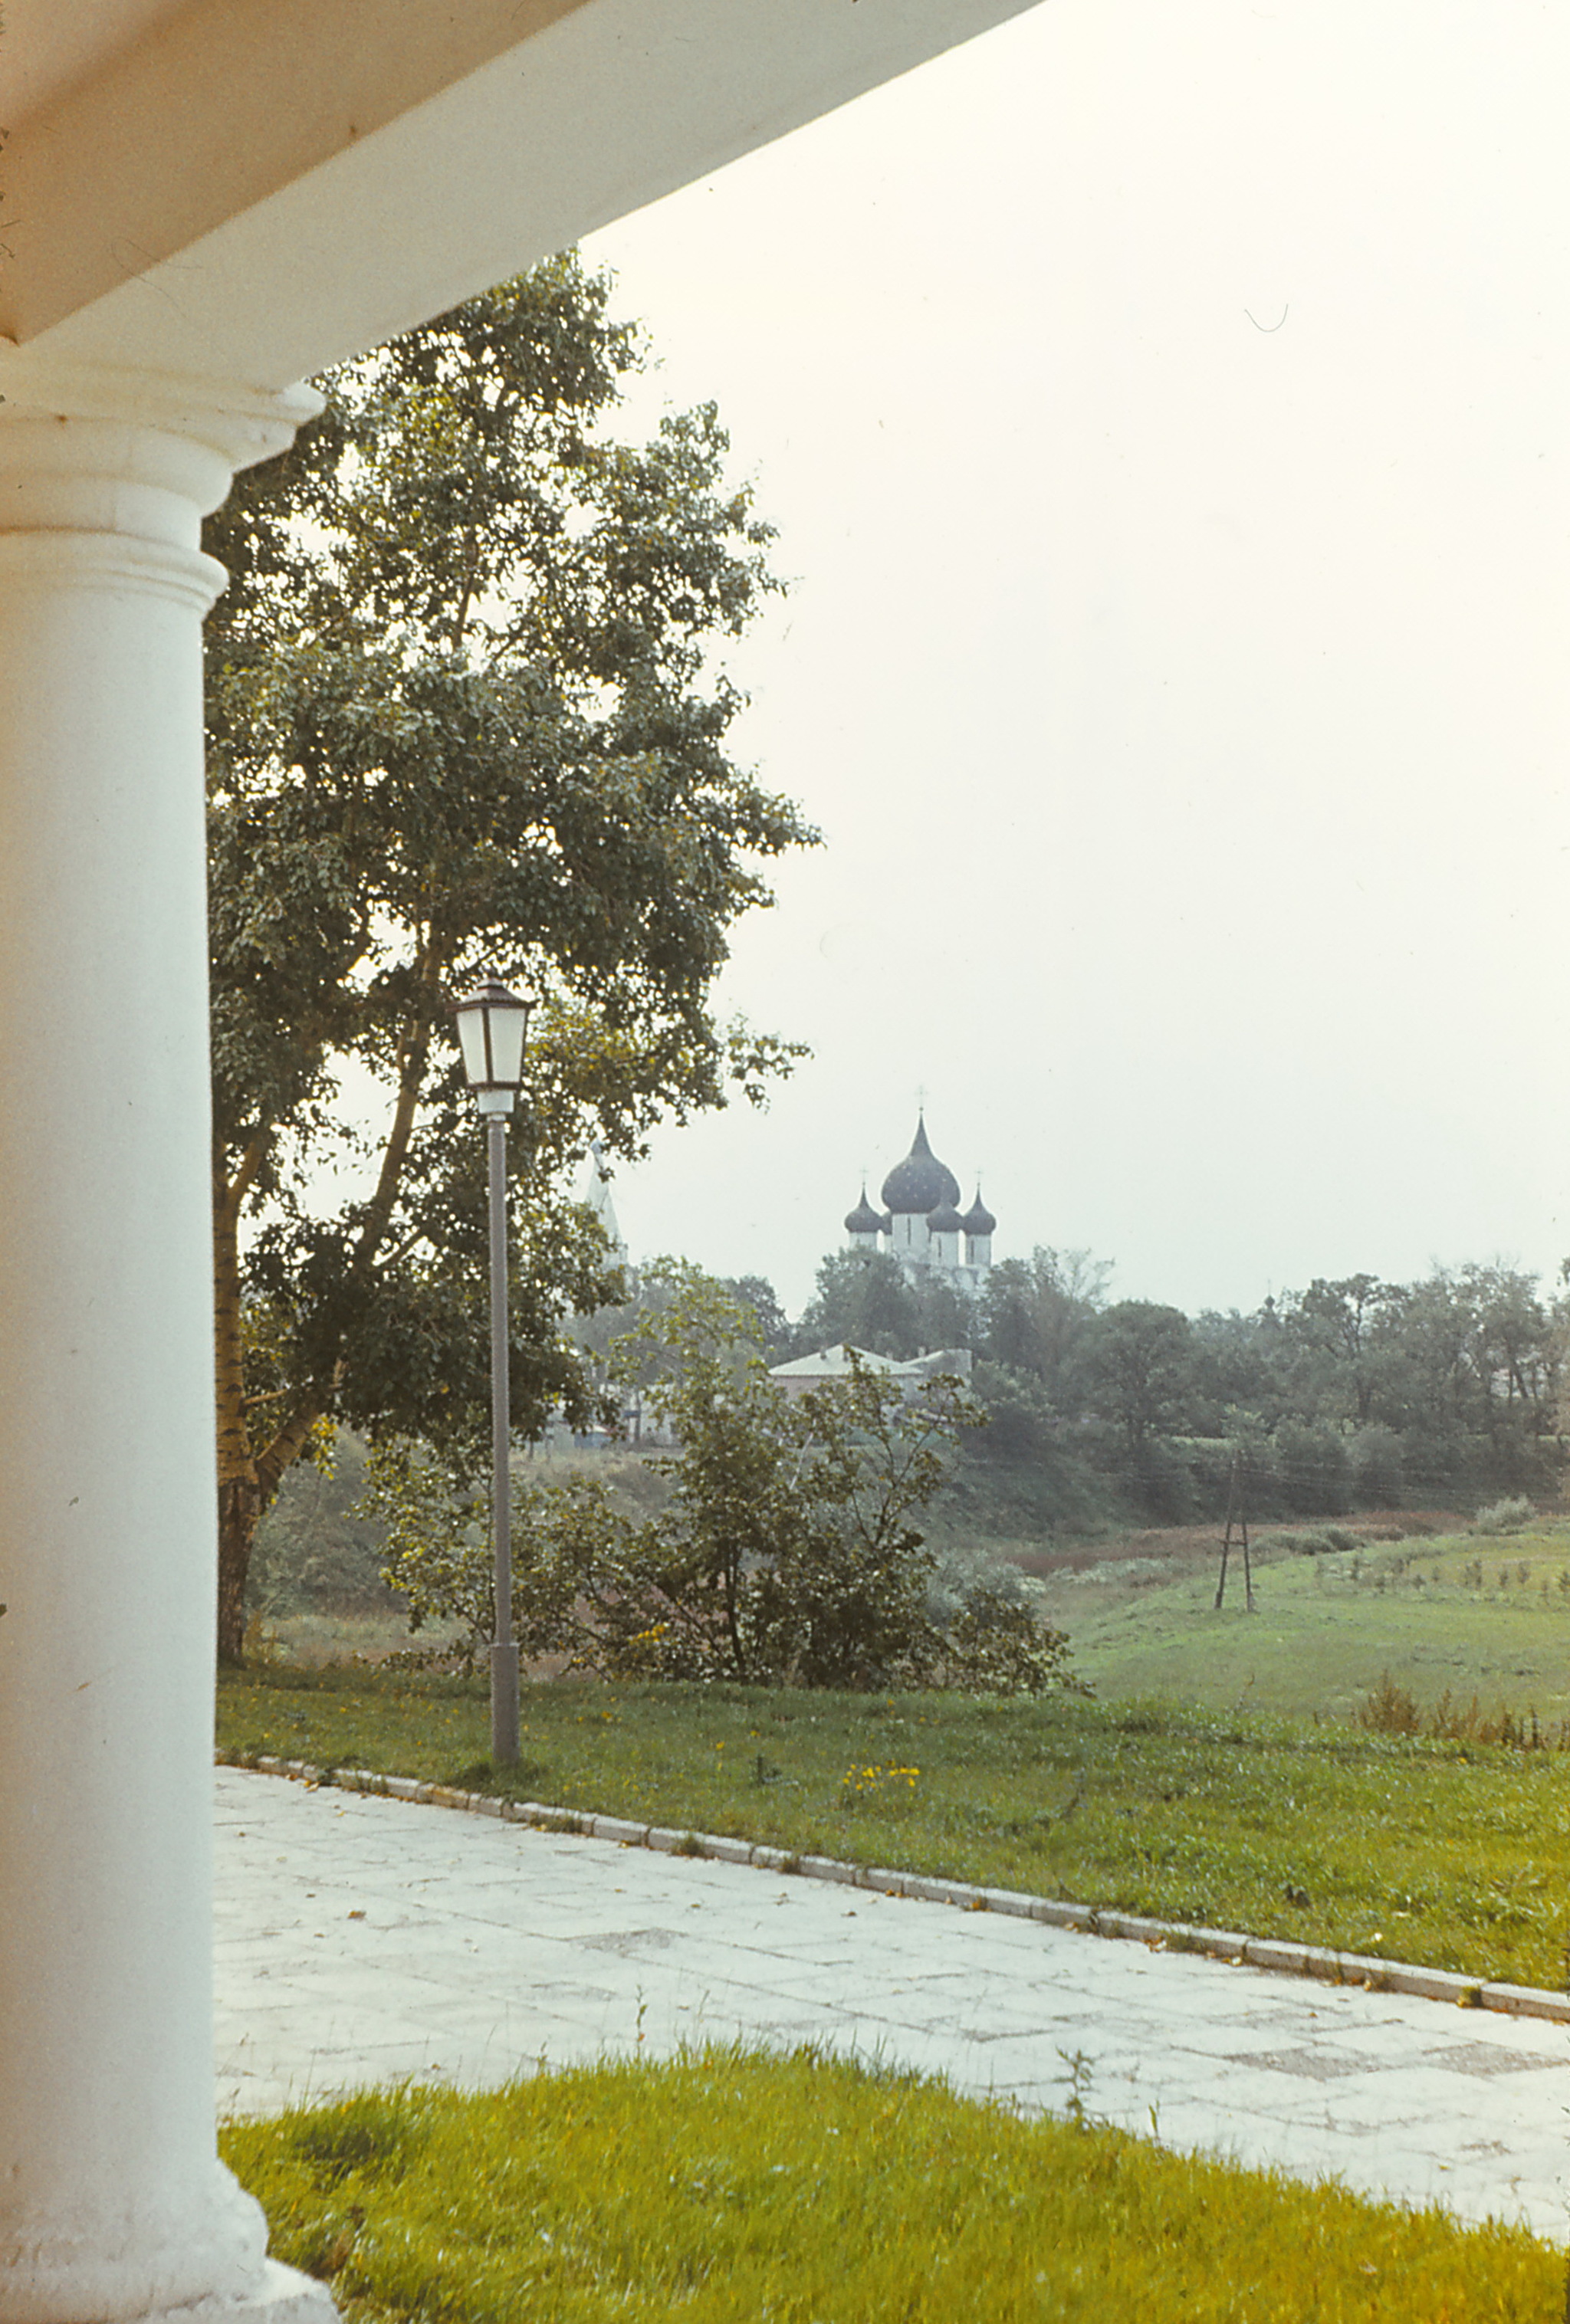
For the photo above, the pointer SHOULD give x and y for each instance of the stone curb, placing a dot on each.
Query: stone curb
(1281, 1955)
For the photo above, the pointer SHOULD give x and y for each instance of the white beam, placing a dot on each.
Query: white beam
(262, 187)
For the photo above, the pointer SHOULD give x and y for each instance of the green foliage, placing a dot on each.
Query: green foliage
(1027, 1473)
(1138, 1359)
(1322, 1541)
(463, 716)
(786, 1551)
(757, 2184)
(435, 1514)
(1035, 1315)
(1353, 1394)
(1378, 1467)
(316, 1551)
(1512, 1515)
(865, 1300)
(1315, 1468)
(435, 1510)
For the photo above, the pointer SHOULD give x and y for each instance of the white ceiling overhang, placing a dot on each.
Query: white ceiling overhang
(252, 188)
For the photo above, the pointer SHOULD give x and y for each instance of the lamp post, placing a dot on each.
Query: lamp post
(491, 1026)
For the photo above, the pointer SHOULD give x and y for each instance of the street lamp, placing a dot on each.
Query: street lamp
(491, 1026)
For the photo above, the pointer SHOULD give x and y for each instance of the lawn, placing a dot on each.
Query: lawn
(1450, 1854)
(728, 2185)
(1466, 1612)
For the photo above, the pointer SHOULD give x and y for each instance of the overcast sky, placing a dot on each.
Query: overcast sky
(1164, 414)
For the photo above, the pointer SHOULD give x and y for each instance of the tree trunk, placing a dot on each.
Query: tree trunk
(239, 1512)
(239, 1492)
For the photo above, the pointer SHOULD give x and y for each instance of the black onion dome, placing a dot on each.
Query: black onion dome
(978, 1219)
(863, 1219)
(921, 1182)
(945, 1219)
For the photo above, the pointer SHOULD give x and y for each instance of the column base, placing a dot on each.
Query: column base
(284, 2296)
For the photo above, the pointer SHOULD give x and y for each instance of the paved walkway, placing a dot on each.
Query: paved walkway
(363, 1940)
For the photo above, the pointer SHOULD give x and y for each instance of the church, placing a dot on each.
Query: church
(921, 1224)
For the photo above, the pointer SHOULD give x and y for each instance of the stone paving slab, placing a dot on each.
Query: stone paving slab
(364, 1939)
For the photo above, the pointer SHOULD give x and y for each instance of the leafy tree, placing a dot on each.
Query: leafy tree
(756, 1292)
(314, 1552)
(1139, 1364)
(1036, 1314)
(1236, 1370)
(1316, 1469)
(863, 1299)
(1341, 1341)
(434, 1507)
(1478, 1392)
(1378, 1468)
(463, 716)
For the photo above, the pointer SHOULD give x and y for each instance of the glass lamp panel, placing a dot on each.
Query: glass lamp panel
(509, 1019)
(471, 1033)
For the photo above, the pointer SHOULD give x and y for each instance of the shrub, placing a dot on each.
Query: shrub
(1390, 1709)
(1508, 1516)
(1159, 1484)
(785, 1552)
(1320, 1541)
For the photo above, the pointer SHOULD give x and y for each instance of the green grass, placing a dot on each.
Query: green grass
(1449, 1854)
(1325, 1628)
(727, 2186)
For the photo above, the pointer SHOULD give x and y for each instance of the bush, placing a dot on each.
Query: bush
(1390, 1709)
(785, 1553)
(1508, 1516)
(1160, 1484)
(1321, 1541)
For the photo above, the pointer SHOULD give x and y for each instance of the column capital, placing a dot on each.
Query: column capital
(241, 424)
(107, 471)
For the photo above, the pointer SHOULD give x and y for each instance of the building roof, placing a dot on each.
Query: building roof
(978, 1220)
(835, 1363)
(863, 1219)
(832, 1363)
(921, 1183)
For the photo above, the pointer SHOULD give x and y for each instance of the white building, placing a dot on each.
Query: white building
(835, 1363)
(921, 1224)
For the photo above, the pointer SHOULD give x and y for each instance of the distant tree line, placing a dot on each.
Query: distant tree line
(1354, 1393)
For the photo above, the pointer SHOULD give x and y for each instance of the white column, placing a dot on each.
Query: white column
(113, 2204)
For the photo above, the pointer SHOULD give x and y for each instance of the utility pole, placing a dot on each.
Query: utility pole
(1236, 1516)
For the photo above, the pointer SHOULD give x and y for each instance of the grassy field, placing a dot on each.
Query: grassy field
(1220, 1776)
(1457, 1611)
(1445, 1853)
(727, 2185)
